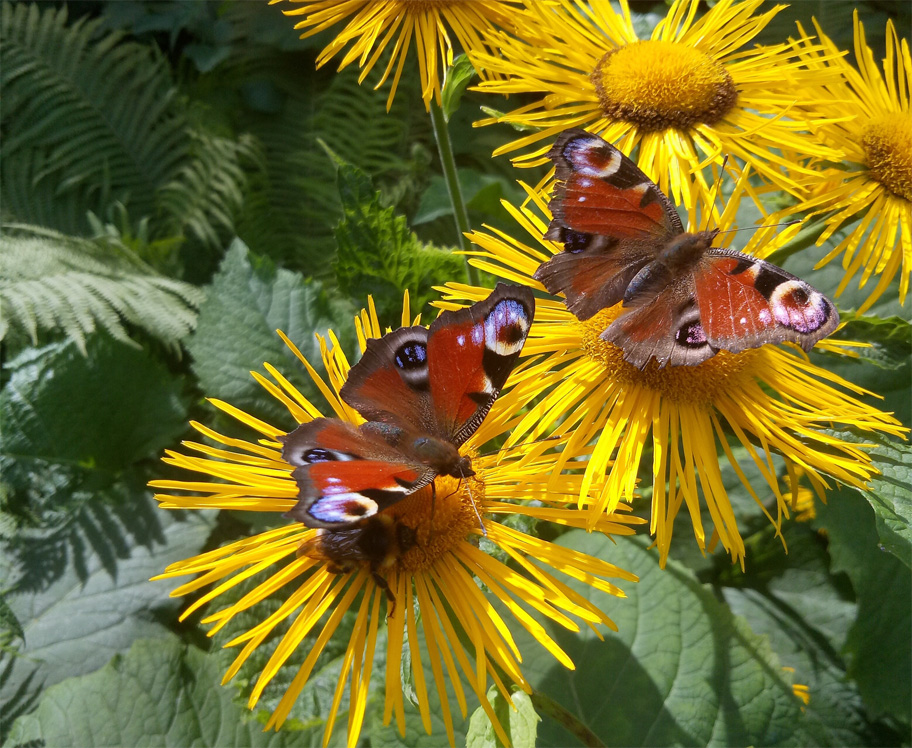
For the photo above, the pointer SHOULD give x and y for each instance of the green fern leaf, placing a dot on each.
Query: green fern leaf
(53, 282)
(378, 255)
(100, 111)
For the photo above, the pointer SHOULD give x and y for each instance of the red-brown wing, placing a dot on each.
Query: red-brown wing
(745, 302)
(443, 380)
(390, 382)
(601, 191)
(611, 219)
(345, 474)
(665, 327)
(471, 352)
(594, 277)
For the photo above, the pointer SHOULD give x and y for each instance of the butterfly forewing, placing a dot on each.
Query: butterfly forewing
(745, 302)
(601, 191)
(472, 352)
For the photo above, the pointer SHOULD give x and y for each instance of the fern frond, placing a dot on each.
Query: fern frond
(208, 191)
(94, 116)
(50, 281)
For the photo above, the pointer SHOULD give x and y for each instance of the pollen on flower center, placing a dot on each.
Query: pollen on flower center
(422, 5)
(440, 519)
(887, 143)
(658, 84)
(699, 384)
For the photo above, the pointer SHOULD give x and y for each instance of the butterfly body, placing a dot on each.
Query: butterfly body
(683, 300)
(423, 393)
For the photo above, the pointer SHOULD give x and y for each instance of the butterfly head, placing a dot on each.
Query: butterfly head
(442, 456)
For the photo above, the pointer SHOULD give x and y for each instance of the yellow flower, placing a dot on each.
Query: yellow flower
(429, 580)
(686, 96)
(375, 24)
(873, 185)
(768, 408)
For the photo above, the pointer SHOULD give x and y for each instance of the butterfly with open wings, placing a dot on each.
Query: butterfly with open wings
(423, 392)
(683, 299)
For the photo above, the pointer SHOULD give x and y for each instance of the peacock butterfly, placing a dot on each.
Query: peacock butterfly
(423, 392)
(683, 300)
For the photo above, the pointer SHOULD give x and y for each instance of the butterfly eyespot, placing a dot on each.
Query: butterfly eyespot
(411, 356)
(506, 327)
(574, 241)
(800, 296)
(319, 455)
(691, 335)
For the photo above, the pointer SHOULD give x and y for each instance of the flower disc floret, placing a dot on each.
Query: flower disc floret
(656, 84)
(887, 144)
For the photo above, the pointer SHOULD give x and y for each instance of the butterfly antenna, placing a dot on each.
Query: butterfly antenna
(717, 186)
(552, 438)
(475, 506)
(761, 226)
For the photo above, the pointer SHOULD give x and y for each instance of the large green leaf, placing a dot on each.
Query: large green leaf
(162, 693)
(806, 612)
(106, 410)
(681, 669)
(248, 300)
(89, 609)
(50, 281)
(519, 720)
(889, 491)
(880, 641)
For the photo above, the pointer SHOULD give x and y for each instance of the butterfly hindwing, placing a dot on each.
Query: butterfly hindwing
(345, 473)
(745, 302)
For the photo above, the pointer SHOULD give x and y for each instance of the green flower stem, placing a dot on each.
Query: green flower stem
(460, 214)
(545, 705)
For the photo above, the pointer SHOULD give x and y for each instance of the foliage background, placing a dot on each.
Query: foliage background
(177, 182)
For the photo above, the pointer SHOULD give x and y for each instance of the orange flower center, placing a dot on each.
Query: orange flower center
(423, 5)
(887, 143)
(701, 384)
(656, 85)
(439, 519)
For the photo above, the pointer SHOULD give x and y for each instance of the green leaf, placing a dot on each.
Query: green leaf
(681, 669)
(890, 491)
(482, 192)
(10, 627)
(249, 299)
(379, 256)
(880, 642)
(50, 281)
(456, 80)
(520, 722)
(79, 610)
(890, 338)
(797, 603)
(161, 693)
(106, 409)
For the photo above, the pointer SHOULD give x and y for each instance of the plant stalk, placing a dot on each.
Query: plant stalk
(547, 706)
(460, 214)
